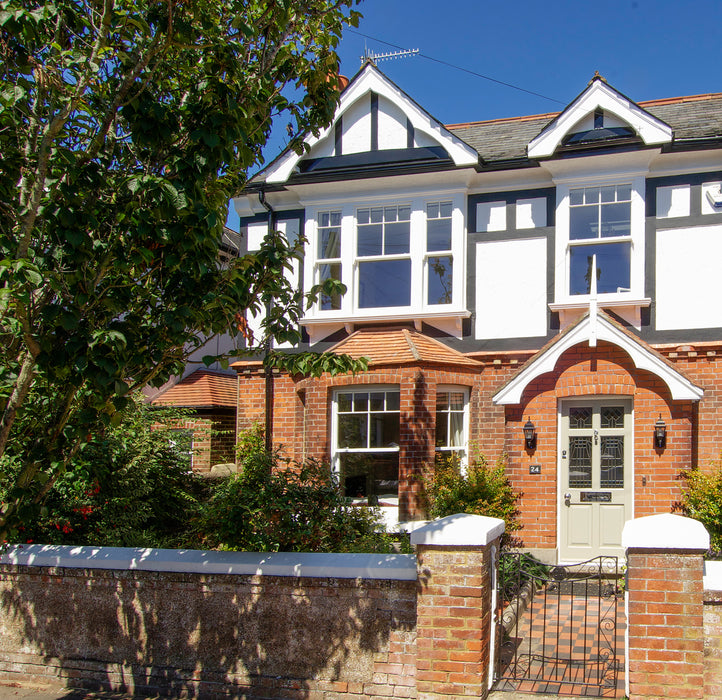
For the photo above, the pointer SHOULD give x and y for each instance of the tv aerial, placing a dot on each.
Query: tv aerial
(373, 57)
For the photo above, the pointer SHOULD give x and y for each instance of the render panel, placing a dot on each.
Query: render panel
(688, 278)
(511, 288)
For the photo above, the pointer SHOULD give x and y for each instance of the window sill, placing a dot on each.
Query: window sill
(629, 308)
(318, 326)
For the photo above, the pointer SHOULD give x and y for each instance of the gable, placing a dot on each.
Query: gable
(600, 116)
(375, 124)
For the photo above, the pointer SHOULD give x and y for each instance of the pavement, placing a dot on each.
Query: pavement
(11, 691)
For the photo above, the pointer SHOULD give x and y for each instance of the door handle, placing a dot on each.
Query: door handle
(567, 499)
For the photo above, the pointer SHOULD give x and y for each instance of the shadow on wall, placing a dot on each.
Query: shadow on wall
(240, 636)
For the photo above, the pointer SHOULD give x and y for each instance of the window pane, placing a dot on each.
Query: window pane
(329, 243)
(344, 402)
(438, 234)
(376, 401)
(370, 240)
(384, 430)
(576, 196)
(613, 268)
(445, 208)
(352, 430)
(371, 476)
(335, 218)
(404, 213)
(580, 462)
(616, 219)
(384, 283)
(377, 215)
(591, 195)
(362, 216)
(326, 272)
(442, 429)
(456, 429)
(324, 218)
(361, 402)
(442, 401)
(440, 278)
(396, 238)
(583, 222)
(612, 462)
(432, 210)
(392, 401)
(580, 417)
(456, 400)
(390, 214)
(612, 417)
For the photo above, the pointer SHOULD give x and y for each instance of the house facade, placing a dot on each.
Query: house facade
(558, 273)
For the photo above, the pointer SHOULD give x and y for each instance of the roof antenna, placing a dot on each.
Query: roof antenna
(372, 57)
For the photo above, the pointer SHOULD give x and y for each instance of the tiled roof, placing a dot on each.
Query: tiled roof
(203, 388)
(697, 116)
(396, 346)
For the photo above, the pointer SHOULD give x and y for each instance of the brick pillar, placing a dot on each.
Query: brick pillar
(665, 606)
(456, 558)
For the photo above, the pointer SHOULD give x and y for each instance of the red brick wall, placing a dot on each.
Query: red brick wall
(694, 431)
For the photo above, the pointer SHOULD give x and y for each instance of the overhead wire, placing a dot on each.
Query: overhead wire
(461, 68)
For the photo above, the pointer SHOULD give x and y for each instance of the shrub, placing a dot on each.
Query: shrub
(274, 504)
(130, 485)
(702, 500)
(479, 489)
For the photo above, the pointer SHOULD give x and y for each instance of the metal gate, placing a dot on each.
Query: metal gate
(559, 629)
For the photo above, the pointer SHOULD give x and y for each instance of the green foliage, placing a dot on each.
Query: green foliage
(702, 500)
(479, 489)
(276, 505)
(125, 127)
(130, 485)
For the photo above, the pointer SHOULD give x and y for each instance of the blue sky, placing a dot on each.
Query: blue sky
(647, 49)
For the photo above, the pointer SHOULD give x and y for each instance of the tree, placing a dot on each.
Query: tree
(125, 127)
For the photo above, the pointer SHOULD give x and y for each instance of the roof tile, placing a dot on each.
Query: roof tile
(203, 388)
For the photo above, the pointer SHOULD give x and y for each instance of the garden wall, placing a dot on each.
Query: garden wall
(210, 623)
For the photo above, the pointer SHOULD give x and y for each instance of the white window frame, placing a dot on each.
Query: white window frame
(462, 451)
(337, 451)
(418, 307)
(445, 253)
(563, 244)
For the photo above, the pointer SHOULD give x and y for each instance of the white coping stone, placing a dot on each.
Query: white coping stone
(665, 531)
(461, 529)
(712, 580)
(401, 567)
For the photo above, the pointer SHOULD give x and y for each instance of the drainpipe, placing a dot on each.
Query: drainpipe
(268, 418)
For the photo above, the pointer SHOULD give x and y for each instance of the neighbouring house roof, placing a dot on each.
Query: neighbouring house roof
(590, 328)
(204, 388)
(396, 346)
(692, 117)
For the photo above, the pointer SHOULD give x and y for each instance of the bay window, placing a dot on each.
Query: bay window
(452, 421)
(439, 258)
(328, 255)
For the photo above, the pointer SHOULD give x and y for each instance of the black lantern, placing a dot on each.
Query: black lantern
(529, 434)
(660, 433)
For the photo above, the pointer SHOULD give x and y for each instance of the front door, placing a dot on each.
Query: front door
(595, 487)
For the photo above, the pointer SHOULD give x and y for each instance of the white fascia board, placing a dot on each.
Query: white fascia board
(599, 95)
(372, 80)
(365, 566)
(680, 388)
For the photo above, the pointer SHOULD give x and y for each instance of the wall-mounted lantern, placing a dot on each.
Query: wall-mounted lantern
(660, 433)
(529, 434)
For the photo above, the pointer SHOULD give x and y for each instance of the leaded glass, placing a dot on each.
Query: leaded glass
(612, 417)
(580, 417)
(580, 462)
(612, 462)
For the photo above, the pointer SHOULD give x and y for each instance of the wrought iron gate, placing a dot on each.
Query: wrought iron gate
(559, 629)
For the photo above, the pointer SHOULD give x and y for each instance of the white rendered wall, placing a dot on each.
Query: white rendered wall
(511, 288)
(673, 201)
(689, 283)
(392, 125)
(491, 216)
(357, 126)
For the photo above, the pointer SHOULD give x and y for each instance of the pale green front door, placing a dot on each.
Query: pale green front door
(595, 487)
